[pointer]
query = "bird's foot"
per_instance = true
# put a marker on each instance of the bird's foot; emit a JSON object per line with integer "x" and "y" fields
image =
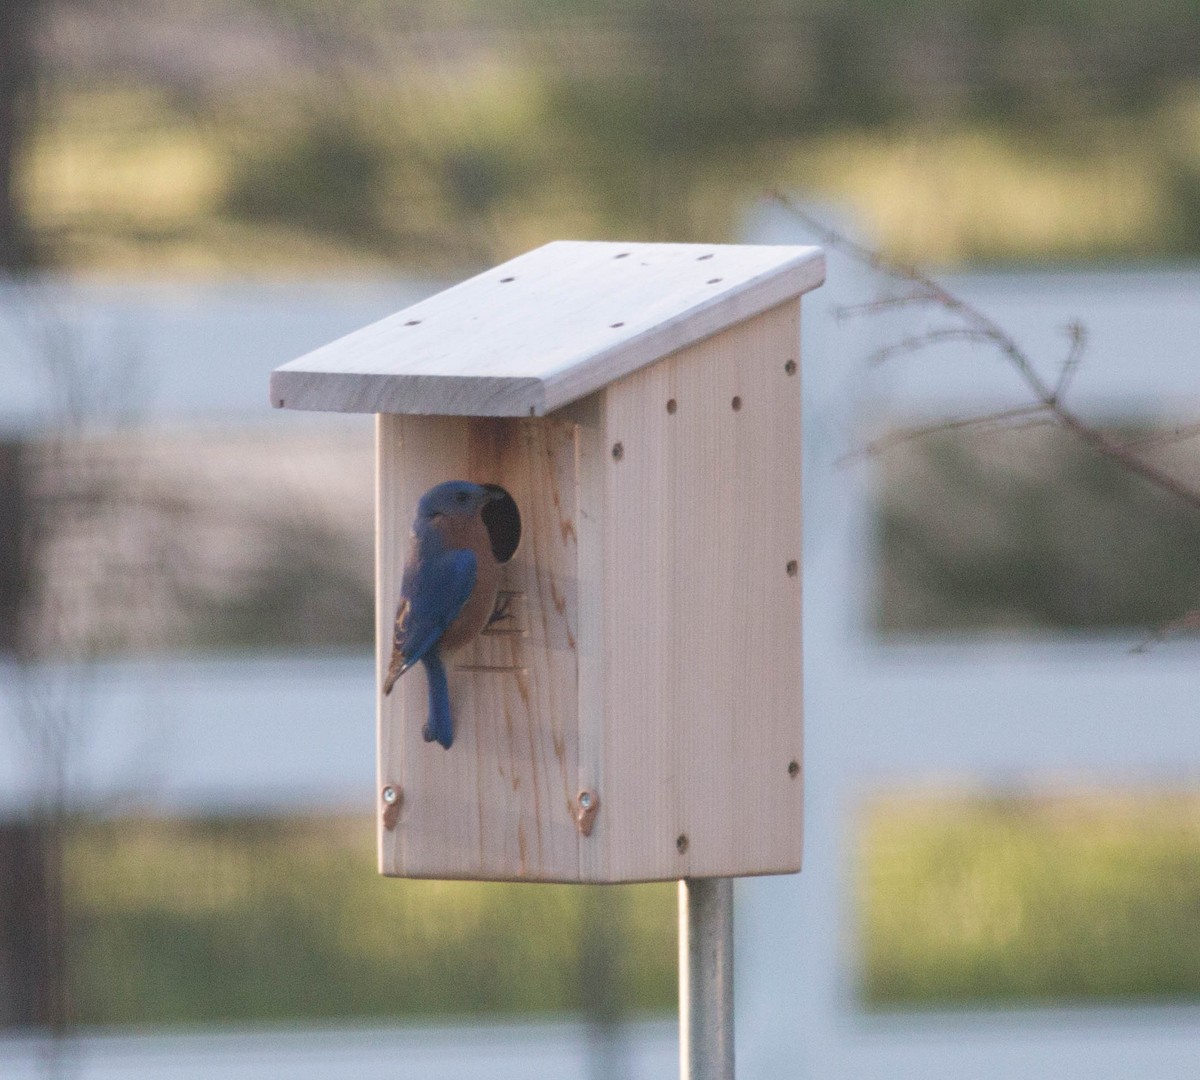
{"x": 501, "y": 610}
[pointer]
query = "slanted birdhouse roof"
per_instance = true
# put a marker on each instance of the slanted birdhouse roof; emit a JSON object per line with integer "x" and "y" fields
{"x": 546, "y": 328}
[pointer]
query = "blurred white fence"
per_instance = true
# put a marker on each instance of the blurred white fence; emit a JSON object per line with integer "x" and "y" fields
{"x": 179, "y": 736}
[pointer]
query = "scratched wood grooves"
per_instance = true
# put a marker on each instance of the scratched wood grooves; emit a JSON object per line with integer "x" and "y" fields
{"x": 498, "y": 803}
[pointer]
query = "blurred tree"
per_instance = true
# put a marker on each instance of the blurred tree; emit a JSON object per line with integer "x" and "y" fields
{"x": 27, "y": 990}
{"x": 13, "y": 576}
{"x": 18, "y": 21}
{"x": 326, "y": 177}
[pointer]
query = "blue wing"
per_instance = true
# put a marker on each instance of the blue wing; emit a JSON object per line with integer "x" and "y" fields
{"x": 433, "y": 592}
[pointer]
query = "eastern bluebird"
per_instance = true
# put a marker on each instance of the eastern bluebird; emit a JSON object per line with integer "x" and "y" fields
{"x": 448, "y": 593}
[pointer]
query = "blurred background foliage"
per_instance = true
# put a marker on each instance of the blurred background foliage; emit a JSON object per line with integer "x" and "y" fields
{"x": 269, "y": 135}
{"x": 1028, "y": 898}
{"x": 264, "y": 920}
{"x": 1026, "y": 529}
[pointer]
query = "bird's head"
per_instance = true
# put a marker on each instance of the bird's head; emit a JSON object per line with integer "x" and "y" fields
{"x": 456, "y": 497}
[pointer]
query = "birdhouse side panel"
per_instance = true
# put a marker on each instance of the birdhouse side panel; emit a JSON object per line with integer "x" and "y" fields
{"x": 702, "y": 768}
{"x": 499, "y": 803}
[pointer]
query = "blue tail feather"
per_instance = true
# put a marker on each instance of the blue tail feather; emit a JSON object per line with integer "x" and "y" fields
{"x": 440, "y": 725}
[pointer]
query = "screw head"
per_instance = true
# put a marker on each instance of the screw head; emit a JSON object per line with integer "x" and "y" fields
{"x": 793, "y": 768}
{"x": 681, "y": 843}
{"x": 585, "y": 800}
{"x": 390, "y": 795}
{"x": 790, "y": 367}
{"x": 793, "y": 568}
{"x": 618, "y": 451}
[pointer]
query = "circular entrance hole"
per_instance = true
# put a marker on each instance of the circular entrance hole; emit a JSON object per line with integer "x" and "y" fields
{"x": 502, "y": 520}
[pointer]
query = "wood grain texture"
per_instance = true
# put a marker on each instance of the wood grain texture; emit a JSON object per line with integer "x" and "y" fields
{"x": 499, "y": 803}
{"x": 703, "y": 678}
{"x": 655, "y": 652}
{"x": 545, "y": 329}
{"x": 592, "y": 458}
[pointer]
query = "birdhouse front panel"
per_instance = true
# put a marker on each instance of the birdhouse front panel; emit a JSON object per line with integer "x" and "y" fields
{"x": 499, "y": 804}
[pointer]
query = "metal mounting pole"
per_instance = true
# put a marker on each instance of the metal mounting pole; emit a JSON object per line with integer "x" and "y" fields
{"x": 706, "y": 979}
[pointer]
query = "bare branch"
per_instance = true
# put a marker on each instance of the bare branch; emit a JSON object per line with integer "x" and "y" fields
{"x": 1077, "y": 336}
{"x": 979, "y": 327}
{"x": 925, "y": 341}
{"x": 1188, "y": 621}
{"x": 872, "y": 307}
{"x": 1007, "y": 419}
{"x": 1176, "y": 434}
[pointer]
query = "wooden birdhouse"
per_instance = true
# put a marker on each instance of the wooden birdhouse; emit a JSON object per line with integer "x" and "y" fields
{"x": 638, "y": 715}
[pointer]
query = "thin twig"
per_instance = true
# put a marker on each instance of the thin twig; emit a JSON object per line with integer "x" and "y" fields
{"x": 1006, "y": 419}
{"x": 1077, "y": 335}
{"x": 873, "y": 307}
{"x": 1170, "y": 437}
{"x": 1188, "y": 621}
{"x": 923, "y": 341}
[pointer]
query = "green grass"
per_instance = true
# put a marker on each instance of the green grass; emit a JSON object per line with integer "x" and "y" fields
{"x": 265, "y": 922}
{"x": 962, "y": 901}
{"x": 966, "y": 901}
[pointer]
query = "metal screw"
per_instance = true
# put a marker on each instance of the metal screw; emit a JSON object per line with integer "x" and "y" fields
{"x": 390, "y": 794}
{"x": 681, "y": 843}
{"x": 585, "y": 800}
{"x": 618, "y": 451}
{"x": 793, "y": 768}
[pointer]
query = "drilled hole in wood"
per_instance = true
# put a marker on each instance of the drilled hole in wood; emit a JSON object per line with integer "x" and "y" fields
{"x": 793, "y": 768}
{"x": 618, "y": 451}
{"x": 681, "y": 843}
{"x": 793, "y": 568}
{"x": 790, "y": 367}
{"x": 502, "y": 520}
{"x": 671, "y": 406}
{"x": 736, "y": 403}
